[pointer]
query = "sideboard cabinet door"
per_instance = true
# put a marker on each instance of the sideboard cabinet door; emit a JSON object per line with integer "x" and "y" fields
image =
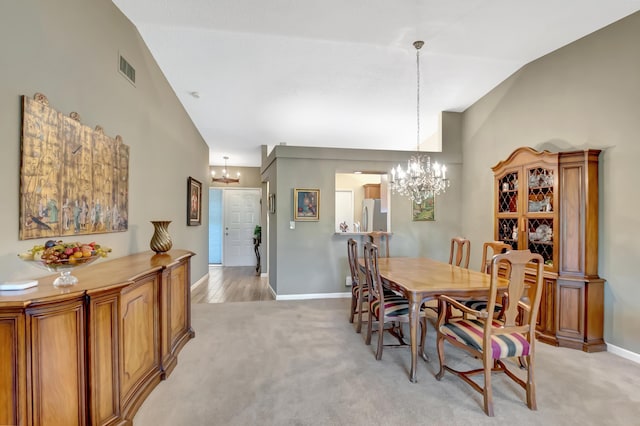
{"x": 139, "y": 342}
{"x": 56, "y": 335}
{"x": 13, "y": 374}
{"x": 176, "y": 291}
{"x": 104, "y": 361}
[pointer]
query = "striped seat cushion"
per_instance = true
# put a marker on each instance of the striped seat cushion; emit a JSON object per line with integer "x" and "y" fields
{"x": 355, "y": 290}
{"x": 480, "y": 305}
{"x": 394, "y": 306}
{"x": 365, "y": 292}
{"x": 471, "y": 333}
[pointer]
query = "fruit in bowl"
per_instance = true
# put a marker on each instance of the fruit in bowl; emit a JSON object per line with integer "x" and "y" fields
{"x": 58, "y": 255}
{"x": 53, "y": 252}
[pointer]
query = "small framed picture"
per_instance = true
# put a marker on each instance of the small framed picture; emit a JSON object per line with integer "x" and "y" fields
{"x": 306, "y": 204}
{"x": 425, "y": 210}
{"x": 272, "y": 203}
{"x": 194, "y": 202}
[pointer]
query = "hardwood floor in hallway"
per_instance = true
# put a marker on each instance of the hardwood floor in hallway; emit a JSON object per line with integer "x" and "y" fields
{"x": 232, "y": 284}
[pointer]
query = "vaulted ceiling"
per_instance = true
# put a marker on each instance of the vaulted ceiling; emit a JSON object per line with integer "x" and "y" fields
{"x": 339, "y": 73}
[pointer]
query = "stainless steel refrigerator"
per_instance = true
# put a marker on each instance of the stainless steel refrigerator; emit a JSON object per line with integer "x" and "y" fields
{"x": 373, "y": 218}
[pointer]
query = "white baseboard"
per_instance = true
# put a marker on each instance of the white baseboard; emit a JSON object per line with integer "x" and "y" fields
{"x": 624, "y": 353}
{"x": 264, "y": 275}
{"x": 273, "y": 293}
{"x": 313, "y": 296}
{"x": 204, "y": 279}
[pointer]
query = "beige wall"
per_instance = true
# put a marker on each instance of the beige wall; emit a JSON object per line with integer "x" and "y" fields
{"x": 68, "y": 50}
{"x": 585, "y": 95}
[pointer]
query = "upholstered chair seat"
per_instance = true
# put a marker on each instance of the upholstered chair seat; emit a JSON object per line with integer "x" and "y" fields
{"x": 471, "y": 332}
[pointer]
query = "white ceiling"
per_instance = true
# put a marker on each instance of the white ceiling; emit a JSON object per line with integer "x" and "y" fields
{"x": 342, "y": 73}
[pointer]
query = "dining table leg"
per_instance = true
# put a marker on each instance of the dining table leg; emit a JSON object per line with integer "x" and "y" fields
{"x": 414, "y": 315}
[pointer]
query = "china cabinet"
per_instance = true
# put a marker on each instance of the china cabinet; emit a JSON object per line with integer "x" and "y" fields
{"x": 548, "y": 203}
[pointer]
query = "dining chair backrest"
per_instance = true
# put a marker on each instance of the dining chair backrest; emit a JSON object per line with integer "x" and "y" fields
{"x": 352, "y": 255}
{"x": 359, "y": 294}
{"x": 518, "y": 291}
{"x": 490, "y": 249}
{"x": 459, "y": 252}
{"x": 372, "y": 272}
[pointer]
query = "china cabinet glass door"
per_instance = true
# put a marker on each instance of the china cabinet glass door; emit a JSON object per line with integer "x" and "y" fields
{"x": 539, "y": 218}
{"x": 526, "y": 215}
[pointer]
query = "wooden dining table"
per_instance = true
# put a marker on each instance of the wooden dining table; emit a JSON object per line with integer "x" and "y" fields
{"x": 420, "y": 279}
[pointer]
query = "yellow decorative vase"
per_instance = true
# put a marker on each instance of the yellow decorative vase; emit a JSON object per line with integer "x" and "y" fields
{"x": 161, "y": 240}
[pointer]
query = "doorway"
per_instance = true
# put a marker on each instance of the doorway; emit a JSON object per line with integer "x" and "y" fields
{"x": 234, "y": 214}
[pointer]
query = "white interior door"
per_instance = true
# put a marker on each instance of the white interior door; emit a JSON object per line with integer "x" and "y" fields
{"x": 241, "y": 215}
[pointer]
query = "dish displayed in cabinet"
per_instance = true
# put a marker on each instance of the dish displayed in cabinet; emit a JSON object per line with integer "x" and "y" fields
{"x": 544, "y": 234}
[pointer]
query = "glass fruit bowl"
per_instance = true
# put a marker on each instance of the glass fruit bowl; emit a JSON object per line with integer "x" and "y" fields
{"x": 64, "y": 266}
{"x": 58, "y": 256}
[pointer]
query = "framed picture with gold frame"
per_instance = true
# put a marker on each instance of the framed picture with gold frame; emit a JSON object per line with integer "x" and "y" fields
{"x": 424, "y": 211}
{"x": 306, "y": 204}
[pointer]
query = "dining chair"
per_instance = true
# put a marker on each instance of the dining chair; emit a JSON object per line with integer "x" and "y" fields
{"x": 460, "y": 247}
{"x": 359, "y": 289}
{"x": 490, "y": 249}
{"x": 492, "y": 340}
{"x": 459, "y": 253}
{"x": 388, "y": 311}
{"x": 359, "y": 292}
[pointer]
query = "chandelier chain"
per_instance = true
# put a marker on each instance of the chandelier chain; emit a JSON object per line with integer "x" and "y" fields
{"x": 418, "y": 97}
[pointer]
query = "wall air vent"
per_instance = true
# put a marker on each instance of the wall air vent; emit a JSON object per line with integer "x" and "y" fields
{"x": 127, "y": 70}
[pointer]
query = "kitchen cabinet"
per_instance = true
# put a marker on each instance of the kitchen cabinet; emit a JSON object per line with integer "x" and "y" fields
{"x": 371, "y": 190}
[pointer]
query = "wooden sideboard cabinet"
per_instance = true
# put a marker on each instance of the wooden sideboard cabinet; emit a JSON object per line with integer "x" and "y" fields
{"x": 548, "y": 203}
{"x": 91, "y": 354}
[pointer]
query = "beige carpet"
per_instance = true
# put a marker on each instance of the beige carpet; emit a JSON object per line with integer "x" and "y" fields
{"x": 301, "y": 363}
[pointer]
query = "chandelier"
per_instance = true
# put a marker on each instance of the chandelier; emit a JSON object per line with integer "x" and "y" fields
{"x": 421, "y": 179}
{"x": 225, "y": 175}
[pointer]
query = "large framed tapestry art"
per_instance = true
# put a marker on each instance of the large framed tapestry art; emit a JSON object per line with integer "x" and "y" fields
{"x": 73, "y": 179}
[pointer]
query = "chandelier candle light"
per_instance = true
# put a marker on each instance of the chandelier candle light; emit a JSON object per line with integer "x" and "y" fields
{"x": 421, "y": 179}
{"x": 225, "y": 175}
